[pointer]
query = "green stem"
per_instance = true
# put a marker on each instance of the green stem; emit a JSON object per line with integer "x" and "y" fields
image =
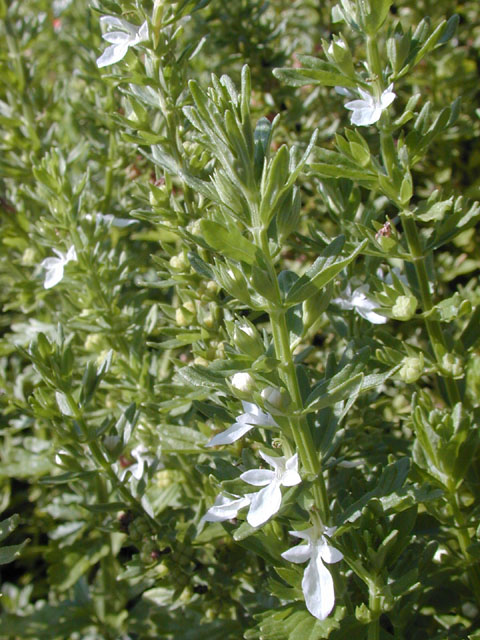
{"x": 374, "y": 63}
{"x": 434, "y": 329}
{"x": 464, "y": 541}
{"x": 374, "y": 604}
{"x": 298, "y": 423}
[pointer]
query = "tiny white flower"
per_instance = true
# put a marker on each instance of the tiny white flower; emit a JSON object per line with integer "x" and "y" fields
{"x": 142, "y": 456}
{"x": 55, "y": 266}
{"x": 317, "y": 583}
{"x": 369, "y": 108}
{"x": 252, "y": 417}
{"x": 110, "y": 220}
{"x": 225, "y": 508}
{"x": 358, "y": 300}
{"x": 266, "y": 502}
{"x": 121, "y": 41}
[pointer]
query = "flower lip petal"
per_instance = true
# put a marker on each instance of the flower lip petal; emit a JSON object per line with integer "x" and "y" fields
{"x": 318, "y": 589}
{"x": 112, "y": 55}
{"x": 53, "y": 276}
{"x": 264, "y": 504}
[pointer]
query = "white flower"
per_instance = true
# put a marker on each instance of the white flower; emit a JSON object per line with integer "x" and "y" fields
{"x": 226, "y": 508}
{"x": 266, "y": 502}
{"x": 110, "y": 220}
{"x": 55, "y": 266}
{"x": 369, "y": 109}
{"x": 129, "y": 36}
{"x": 317, "y": 583}
{"x": 142, "y": 456}
{"x": 358, "y": 300}
{"x": 252, "y": 417}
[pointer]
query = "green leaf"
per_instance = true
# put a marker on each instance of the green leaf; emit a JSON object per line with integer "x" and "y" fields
{"x": 12, "y": 552}
{"x": 323, "y": 270}
{"x": 334, "y": 390}
{"x": 318, "y": 72}
{"x": 181, "y": 439}
{"x": 228, "y": 242}
{"x": 8, "y": 525}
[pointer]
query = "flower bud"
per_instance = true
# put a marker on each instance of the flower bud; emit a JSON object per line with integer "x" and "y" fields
{"x": 412, "y": 368}
{"x": 178, "y": 262}
{"x": 276, "y": 400}
{"x": 185, "y": 314}
{"x": 452, "y": 365}
{"x": 404, "y": 307}
{"x": 339, "y": 53}
{"x": 242, "y": 382}
{"x": 247, "y": 340}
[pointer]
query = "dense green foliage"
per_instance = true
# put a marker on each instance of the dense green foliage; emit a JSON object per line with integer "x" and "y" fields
{"x": 213, "y": 211}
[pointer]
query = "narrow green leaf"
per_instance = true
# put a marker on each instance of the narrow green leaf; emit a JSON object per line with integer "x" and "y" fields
{"x": 323, "y": 270}
{"x": 12, "y": 552}
{"x": 228, "y": 242}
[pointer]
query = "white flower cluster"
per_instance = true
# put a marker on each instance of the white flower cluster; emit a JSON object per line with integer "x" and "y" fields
{"x": 317, "y": 583}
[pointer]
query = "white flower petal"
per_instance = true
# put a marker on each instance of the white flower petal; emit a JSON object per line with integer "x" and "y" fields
{"x": 117, "y": 37}
{"x": 254, "y": 415}
{"x": 264, "y": 504}
{"x": 298, "y": 554}
{"x": 230, "y": 435}
{"x": 258, "y": 477}
{"x": 318, "y": 589}
{"x": 142, "y": 34}
{"x": 71, "y": 254}
{"x": 365, "y": 116}
{"x": 343, "y": 91}
{"x": 291, "y": 478}
{"x": 112, "y": 55}
{"x": 54, "y": 275}
{"x": 113, "y": 21}
{"x": 387, "y": 98}
{"x": 329, "y": 554}
{"x": 225, "y": 508}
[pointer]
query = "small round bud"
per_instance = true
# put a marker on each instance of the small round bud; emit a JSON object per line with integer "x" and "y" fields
{"x": 185, "y": 314}
{"x": 243, "y": 382}
{"x": 247, "y": 340}
{"x": 452, "y": 365}
{"x": 178, "y": 262}
{"x": 412, "y": 368}
{"x": 404, "y": 307}
{"x": 275, "y": 400}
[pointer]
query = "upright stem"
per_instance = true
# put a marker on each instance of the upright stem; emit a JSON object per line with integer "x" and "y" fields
{"x": 298, "y": 423}
{"x": 434, "y": 329}
{"x": 464, "y": 542}
{"x": 374, "y": 604}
